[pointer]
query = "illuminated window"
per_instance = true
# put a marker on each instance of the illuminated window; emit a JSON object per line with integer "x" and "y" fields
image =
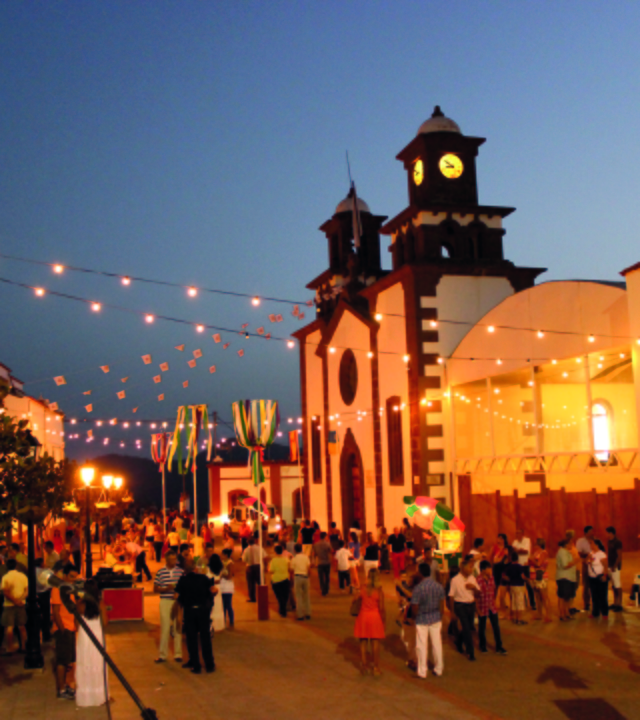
{"x": 316, "y": 445}
{"x": 601, "y": 423}
{"x": 394, "y": 440}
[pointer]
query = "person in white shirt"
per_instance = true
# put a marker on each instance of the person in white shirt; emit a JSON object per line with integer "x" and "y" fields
{"x": 478, "y": 555}
{"x": 252, "y": 557}
{"x": 300, "y": 564}
{"x": 522, "y": 545}
{"x": 463, "y": 591}
{"x": 343, "y": 557}
{"x": 598, "y": 579}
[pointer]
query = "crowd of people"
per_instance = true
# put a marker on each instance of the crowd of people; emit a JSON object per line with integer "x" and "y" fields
{"x": 497, "y": 582}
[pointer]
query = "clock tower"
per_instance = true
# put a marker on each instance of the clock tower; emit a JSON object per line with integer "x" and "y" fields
{"x": 444, "y": 225}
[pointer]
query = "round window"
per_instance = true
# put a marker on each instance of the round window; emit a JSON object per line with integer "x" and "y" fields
{"x": 348, "y": 377}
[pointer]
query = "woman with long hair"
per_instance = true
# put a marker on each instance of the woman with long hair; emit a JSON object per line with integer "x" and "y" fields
{"x": 91, "y": 670}
{"x": 227, "y": 586}
{"x": 597, "y": 567}
{"x": 369, "y": 627}
{"x": 499, "y": 557}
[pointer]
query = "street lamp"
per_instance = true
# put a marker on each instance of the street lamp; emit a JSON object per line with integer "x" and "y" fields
{"x": 107, "y": 482}
{"x": 118, "y": 483}
{"x": 87, "y": 474}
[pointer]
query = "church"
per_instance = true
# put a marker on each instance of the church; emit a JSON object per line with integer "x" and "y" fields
{"x": 456, "y": 376}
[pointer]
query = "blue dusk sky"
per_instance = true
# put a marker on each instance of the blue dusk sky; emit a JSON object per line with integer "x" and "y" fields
{"x": 204, "y": 143}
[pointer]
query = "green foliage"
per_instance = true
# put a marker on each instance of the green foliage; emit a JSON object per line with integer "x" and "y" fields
{"x": 29, "y": 488}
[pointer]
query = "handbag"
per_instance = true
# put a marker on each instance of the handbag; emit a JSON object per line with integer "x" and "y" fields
{"x": 355, "y": 606}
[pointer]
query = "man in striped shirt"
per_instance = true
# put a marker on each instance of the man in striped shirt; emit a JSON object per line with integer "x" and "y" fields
{"x": 165, "y": 583}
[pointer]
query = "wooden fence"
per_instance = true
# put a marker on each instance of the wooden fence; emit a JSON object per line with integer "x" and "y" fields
{"x": 549, "y": 514}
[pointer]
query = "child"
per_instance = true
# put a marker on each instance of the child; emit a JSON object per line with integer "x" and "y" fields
{"x": 515, "y": 574}
{"x": 344, "y": 566}
{"x": 486, "y": 607}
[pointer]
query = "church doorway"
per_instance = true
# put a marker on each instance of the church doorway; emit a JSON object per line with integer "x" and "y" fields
{"x": 351, "y": 485}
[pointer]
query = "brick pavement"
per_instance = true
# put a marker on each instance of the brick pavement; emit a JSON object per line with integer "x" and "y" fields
{"x": 286, "y": 670}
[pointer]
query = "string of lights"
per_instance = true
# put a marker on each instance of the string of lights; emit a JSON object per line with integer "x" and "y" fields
{"x": 192, "y": 291}
{"x": 126, "y": 280}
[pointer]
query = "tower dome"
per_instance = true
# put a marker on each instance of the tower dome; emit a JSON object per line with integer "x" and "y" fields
{"x": 438, "y": 122}
{"x": 347, "y": 205}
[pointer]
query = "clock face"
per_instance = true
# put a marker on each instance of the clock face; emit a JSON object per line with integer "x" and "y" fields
{"x": 418, "y": 172}
{"x": 451, "y": 166}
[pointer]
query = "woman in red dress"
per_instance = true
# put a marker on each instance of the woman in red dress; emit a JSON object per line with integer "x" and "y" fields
{"x": 370, "y": 621}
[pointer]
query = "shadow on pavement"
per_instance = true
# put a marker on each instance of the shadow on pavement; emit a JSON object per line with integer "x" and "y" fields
{"x": 563, "y": 678}
{"x": 588, "y": 709}
{"x": 350, "y": 651}
{"x": 620, "y": 647}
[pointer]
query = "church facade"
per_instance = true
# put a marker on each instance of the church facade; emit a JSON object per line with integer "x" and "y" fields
{"x": 390, "y": 354}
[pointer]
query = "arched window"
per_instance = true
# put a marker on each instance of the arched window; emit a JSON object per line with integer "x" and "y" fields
{"x": 602, "y": 430}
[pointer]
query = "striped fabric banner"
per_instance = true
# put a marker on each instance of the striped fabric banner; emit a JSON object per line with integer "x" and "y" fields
{"x": 189, "y": 421}
{"x": 256, "y": 423}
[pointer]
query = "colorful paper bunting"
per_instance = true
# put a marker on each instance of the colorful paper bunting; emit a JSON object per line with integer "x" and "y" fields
{"x": 212, "y": 369}
{"x": 296, "y": 311}
{"x": 180, "y": 347}
{"x": 260, "y": 331}
{"x": 187, "y": 433}
{"x": 245, "y": 326}
{"x": 278, "y": 318}
{"x": 301, "y": 316}
{"x": 164, "y": 367}
{"x": 90, "y": 433}
{"x": 185, "y": 384}
{"x": 104, "y": 368}
{"x": 135, "y": 409}
{"x": 268, "y": 336}
{"x": 225, "y": 346}
{"x": 197, "y": 353}
{"x": 88, "y": 408}
{"x": 256, "y": 423}
{"x": 121, "y": 394}
{"x": 124, "y": 379}
{"x": 146, "y": 359}
{"x": 241, "y": 353}
{"x": 160, "y": 397}
{"x": 191, "y": 363}
{"x": 59, "y": 380}
{"x": 272, "y": 317}
{"x": 87, "y": 392}
{"x": 216, "y": 337}
{"x": 157, "y": 378}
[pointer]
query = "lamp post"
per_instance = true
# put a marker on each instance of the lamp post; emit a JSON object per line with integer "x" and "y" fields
{"x": 107, "y": 482}
{"x": 87, "y": 474}
{"x": 33, "y": 651}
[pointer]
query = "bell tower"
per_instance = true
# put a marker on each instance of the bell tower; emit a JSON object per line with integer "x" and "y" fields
{"x": 353, "y": 240}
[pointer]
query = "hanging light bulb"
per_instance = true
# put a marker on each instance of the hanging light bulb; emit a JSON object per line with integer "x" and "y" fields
{"x": 405, "y": 358}
{"x": 125, "y": 280}
{"x": 39, "y": 291}
{"x": 369, "y": 354}
{"x": 540, "y": 334}
{"x": 58, "y": 269}
{"x": 256, "y": 301}
{"x": 246, "y": 335}
{"x": 149, "y": 318}
{"x": 378, "y": 317}
{"x": 491, "y": 329}
{"x": 192, "y": 292}
{"x": 434, "y": 323}
{"x": 290, "y": 344}
{"x": 96, "y": 307}
{"x": 592, "y": 338}
{"x": 200, "y": 328}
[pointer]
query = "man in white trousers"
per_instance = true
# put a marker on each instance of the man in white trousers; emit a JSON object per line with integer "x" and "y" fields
{"x": 165, "y": 583}
{"x": 427, "y": 606}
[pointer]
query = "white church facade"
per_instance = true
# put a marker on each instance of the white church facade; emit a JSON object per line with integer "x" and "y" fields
{"x": 453, "y": 375}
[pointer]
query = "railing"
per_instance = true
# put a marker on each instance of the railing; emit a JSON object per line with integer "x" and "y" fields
{"x": 575, "y": 462}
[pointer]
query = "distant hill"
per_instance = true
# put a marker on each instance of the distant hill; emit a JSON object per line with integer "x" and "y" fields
{"x": 144, "y": 481}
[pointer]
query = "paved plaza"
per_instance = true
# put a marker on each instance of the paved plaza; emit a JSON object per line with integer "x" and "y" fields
{"x": 288, "y": 670}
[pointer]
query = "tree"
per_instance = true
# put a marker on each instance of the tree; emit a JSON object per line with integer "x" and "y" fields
{"x": 31, "y": 488}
